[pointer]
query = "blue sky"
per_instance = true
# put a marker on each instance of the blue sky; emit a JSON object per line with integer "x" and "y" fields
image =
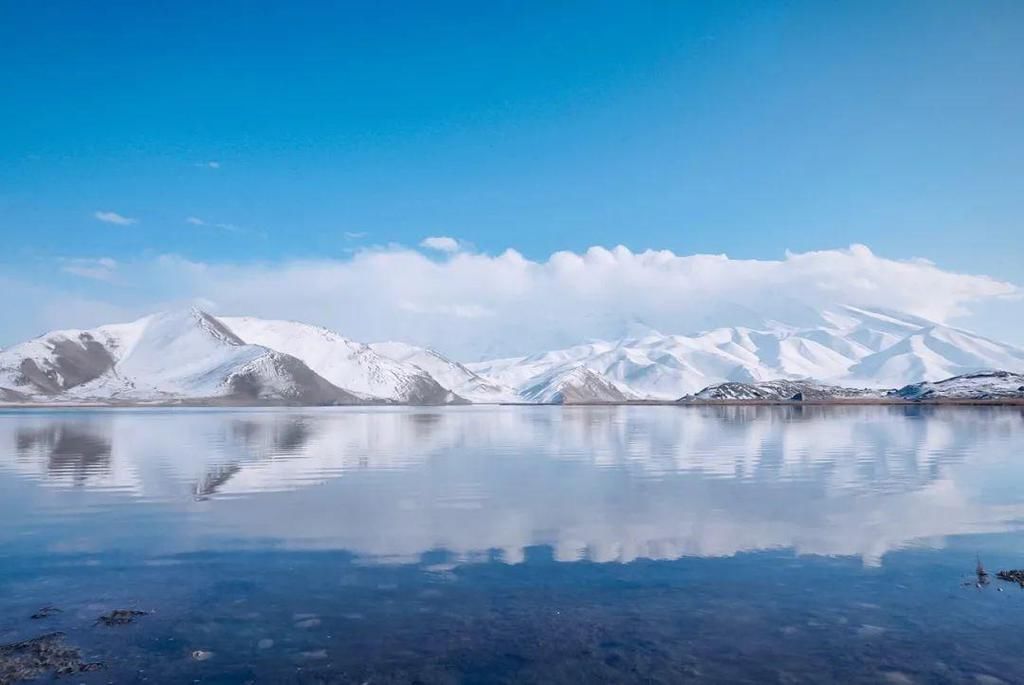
{"x": 309, "y": 131}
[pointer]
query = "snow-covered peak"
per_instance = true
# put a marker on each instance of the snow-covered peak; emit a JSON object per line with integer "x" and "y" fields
{"x": 191, "y": 354}
{"x": 849, "y": 346}
{"x": 932, "y": 353}
{"x": 176, "y": 355}
{"x": 574, "y": 386}
{"x": 348, "y": 364}
{"x": 451, "y": 374}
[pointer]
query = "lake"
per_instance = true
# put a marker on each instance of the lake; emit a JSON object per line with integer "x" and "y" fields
{"x": 518, "y": 544}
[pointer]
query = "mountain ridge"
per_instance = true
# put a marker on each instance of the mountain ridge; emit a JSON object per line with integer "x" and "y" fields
{"x": 191, "y": 355}
{"x": 853, "y": 347}
{"x": 355, "y": 366}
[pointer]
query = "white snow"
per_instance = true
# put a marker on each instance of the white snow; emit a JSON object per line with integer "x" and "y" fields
{"x": 190, "y": 354}
{"x": 575, "y": 384}
{"x": 184, "y": 354}
{"x": 978, "y": 385}
{"x": 852, "y": 347}
{"x": 172, "y": 354}
{"x": 451, "y": 374}
{"x": 345, "y": 363}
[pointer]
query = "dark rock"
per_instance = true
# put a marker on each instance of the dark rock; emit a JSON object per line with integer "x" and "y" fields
{"x": 47, "y": 612}
{"x": 779, "y": 391}
{"x": 120, "y": 617}
{"x": 1012, "y": 576}
{"x": 71, "y": 362}
{"x": 32, "y": 658}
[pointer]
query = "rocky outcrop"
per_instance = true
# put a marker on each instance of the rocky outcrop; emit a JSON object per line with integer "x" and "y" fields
{"x": 981, "y": 385}
{"x": 780, "y": 390}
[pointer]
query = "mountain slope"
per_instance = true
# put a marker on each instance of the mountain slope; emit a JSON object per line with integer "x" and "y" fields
{"x": 780, "y": 390}
{"x": 345, "y": 363}
{"x": 574, "y": 386}
{"x": 171, "y": 356}
{"x": 983, "y": 385}
{"x": 849, "y": 346}
{"x": 935, "y": 352}
{"x": 57, "y": 361}
{"x": 192, "y": 356}
{"x": 450, "y": 374}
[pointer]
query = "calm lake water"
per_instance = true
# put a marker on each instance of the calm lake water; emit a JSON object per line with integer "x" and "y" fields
{"x": 519, "y": 544}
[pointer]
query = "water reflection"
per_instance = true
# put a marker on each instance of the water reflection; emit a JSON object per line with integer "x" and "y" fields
{"x": 601, "y": 483}
{"x": 71, "y": 451}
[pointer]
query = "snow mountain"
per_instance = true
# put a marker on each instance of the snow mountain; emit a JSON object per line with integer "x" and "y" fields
{"x": 171, "y": 356}
{"x": 932, "y": 353}
{"x": 192, "y": 356}
{"x": 345, "y": 363}
{"x": 847, "y": 346}
{"x": 450, "y": 374}
{"x": 983, "y": 385}
{"x": 576, "y": 385}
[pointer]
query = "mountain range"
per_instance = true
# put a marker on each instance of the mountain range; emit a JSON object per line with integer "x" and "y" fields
{"x": 192, "y": 356}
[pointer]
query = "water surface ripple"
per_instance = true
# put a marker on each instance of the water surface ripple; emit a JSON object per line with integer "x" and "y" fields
{"x": 519, "y": 544}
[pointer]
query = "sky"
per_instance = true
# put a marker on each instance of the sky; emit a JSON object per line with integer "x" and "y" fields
{"x": 153, "y": 154}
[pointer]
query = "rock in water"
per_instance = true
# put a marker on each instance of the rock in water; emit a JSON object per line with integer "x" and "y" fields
{"x": 30, "y": 659}
{"x": 120, "y": 617}
{"x": 1012, "y": 576}
{"x": 46, "y": 612}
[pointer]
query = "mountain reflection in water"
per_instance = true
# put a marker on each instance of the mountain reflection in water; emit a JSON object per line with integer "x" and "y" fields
{"x": 598, "y": 483}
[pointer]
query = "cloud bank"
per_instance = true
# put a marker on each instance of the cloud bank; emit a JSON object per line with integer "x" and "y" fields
{"x": 474, "y": 306}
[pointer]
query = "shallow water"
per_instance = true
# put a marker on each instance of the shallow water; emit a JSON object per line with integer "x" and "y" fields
{"x": 519, "y": 544}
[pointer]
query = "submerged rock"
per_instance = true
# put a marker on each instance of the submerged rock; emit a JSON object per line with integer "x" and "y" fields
{"x": 120, "y": 617}
{"x": 1012, "y": 576}
{"x": 47, "y": 612}
{"x": 32, "y": 658}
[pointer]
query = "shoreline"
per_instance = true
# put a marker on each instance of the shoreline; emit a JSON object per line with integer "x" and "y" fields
{"x": 850, "y": 402}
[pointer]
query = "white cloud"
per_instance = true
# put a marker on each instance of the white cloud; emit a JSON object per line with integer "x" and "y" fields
{"x": 114, "y": 218}
{"x": 212, "y": 164}
{"x": 196, "y": 221}
{"x": 102, "y": 269}
{"x": 474, "y": 305}
{"x": 355, "y": 235}
{"x": 463, "y": 311}
{"x": 441, "y": 243}
{"x": 477, "y": 305}
{"x": 33, "y": 307}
